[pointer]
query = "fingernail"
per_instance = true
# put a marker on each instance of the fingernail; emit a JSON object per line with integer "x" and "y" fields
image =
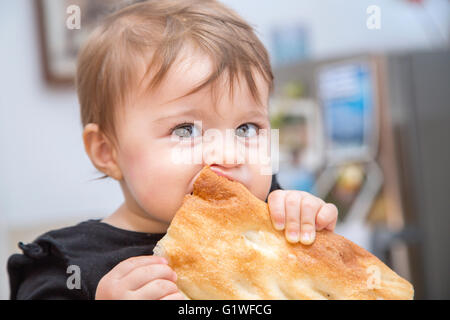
{"x": 279, "y": 226}
{"x": 293, "y": 236}
{"x": 165, "y": 261}
{"x": 307, "y": 237}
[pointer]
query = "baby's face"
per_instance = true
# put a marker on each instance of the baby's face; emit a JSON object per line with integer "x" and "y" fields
{"x": 151, "y": 130}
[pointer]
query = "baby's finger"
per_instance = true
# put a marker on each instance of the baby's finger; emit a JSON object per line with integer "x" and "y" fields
{"x": 145, "y": 274}
{"x": 327, "y": 217}
{"x": 174, "y": 296}
{"x": 309, "y": 208}
{"x": 292, "y": 203}
{"x": 155, "y": 289}
{"x": 332, "y": 224}
{"x": 126, "y": 266}
{"x": 277, "y": 208}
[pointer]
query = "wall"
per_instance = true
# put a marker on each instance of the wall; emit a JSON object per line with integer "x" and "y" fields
{"x": 338, "y": 27}
{"x": 44, "y": 172}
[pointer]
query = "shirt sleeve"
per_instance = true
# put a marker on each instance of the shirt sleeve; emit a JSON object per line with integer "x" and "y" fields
{"x": 275, "y": 185}
{"x": 40, "y": 274}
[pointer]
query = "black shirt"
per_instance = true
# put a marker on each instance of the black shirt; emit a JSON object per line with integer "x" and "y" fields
{"x": 45, "y": 268}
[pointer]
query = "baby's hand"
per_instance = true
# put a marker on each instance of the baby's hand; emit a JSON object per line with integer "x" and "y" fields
{"x": 300, "y": 214}
{"x": 139, "y": 278}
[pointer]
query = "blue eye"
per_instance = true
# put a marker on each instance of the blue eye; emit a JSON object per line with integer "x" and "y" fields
{"x": 247, "y": 130}
{"x": 186, "y": 130}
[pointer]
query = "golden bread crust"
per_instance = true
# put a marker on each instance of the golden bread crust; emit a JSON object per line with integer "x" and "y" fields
{"x": 222, "y": 245}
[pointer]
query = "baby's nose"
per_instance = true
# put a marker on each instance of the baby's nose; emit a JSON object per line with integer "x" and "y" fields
{"x": 224, "y": 151}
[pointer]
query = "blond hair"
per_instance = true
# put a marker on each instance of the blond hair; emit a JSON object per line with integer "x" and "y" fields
{"x": 107, "y": 69}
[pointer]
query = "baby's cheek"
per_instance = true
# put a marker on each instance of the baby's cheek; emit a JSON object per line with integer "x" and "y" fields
{"x": 261, "y": 186}
{"x": 161, "y": 204}
{"x": 147, "y": 188}
{"x": 157, "y": 189}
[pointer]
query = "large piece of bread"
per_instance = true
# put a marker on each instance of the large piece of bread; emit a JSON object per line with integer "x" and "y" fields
{"x": 222, "y": 245}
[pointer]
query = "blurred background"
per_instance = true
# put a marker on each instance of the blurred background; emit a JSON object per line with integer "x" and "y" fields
{"x": 362, "y": 102}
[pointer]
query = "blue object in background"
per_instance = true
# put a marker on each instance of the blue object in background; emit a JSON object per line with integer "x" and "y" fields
{"x": 296, "y": 178}
{"x": 346, "y": 94}
{"x": 290, "y": 44}
{"x": 347, "y": 113}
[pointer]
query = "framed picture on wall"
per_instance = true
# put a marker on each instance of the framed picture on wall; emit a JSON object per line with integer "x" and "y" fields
{"x": 59, "y": 43}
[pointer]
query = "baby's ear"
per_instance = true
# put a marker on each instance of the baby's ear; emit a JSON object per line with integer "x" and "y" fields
{"x": 101, "y": 151}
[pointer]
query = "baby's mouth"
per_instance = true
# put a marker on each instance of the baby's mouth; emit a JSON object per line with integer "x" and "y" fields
{"x": 216, "y": 170}
{"x": 222, "y": 173}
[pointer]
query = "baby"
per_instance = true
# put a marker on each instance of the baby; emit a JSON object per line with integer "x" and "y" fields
{"x": 154, "y": 77}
